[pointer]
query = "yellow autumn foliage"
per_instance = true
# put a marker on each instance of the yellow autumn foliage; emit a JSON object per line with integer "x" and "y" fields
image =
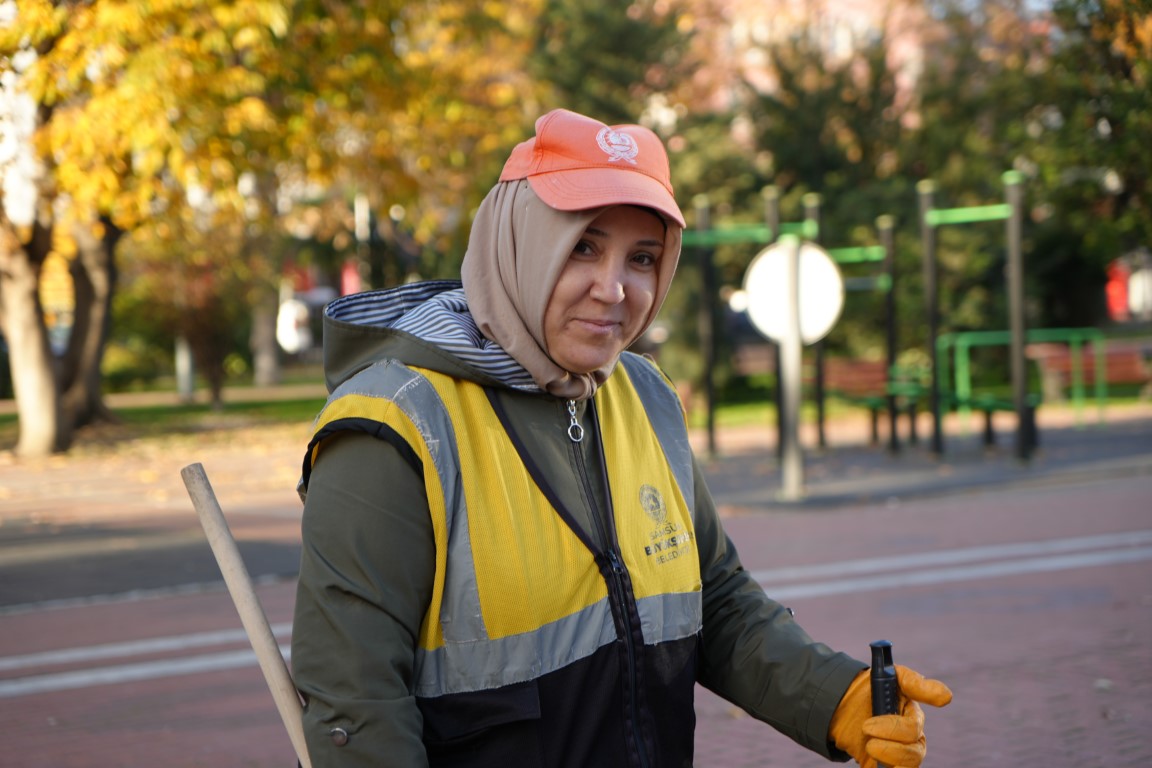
{"x": 148, "y": 97}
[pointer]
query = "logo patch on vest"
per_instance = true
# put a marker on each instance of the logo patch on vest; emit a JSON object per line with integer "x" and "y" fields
{"x": 653, "y": 503}
{"x": 667, "y": 541}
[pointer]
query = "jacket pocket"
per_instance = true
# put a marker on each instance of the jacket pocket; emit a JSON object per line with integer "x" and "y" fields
{"x": 498, "y": 727}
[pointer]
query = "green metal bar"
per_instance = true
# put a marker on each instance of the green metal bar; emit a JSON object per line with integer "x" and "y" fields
{"x": 992, "y": 338}
{"x": 964, "y": 382}
{"x": 1075, "y": 337}
{"x": 1101, "y": 378}
{"x": 1077, "y": 378}
{"x": 968, "y": 215}
{"x": 742, "y": 233}
{"x": 869, "y": 283}
{"x": 809, "y": 229}
{"x": 943, "y": 342}
{"x": 857, "y": 255}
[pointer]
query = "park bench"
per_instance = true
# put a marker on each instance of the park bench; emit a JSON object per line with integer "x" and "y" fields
{"x": 869, "y": 383}
{"x": 754, "y": 359}
{"x": 866, "y": 383}
{"x": 989, "y": 405}
{"x": 1124, "y": 363}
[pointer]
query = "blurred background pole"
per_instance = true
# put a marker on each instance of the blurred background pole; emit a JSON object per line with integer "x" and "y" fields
{"x": 813, "y": 233}
{"x": 792, "y": 360}
{"x": 706, "y": 320}
{"x": 362, "y": 218}
{"x": 185, "y": 370}
{"x": 926, "y": 189}
{"x": 771, "y": 197}
{"x": 884, "y": 227}
{"x": 1025, "y": 424}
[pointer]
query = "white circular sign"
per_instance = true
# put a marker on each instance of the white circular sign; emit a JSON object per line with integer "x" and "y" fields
{"x": 821, "y": 290}
{"x": 1140, "y": 293}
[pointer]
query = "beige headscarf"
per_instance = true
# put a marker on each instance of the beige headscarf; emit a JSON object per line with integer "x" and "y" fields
{"x": 516, "y": 251}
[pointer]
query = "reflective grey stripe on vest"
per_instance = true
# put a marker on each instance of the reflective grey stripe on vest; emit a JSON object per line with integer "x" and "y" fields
{"x": 415, "y": 396}
{"x": 461, "y": 667}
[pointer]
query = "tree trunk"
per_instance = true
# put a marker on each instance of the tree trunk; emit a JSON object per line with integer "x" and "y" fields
{"x": 265, "y": 354}
{"x": 94, "y": 279}
{"x": 209, "y": 350}
{"x": 43, "y": 428}
{"x": 260, "y": 247}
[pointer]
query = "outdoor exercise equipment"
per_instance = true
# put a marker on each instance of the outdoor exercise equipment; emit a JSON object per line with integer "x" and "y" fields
{"x": 885, "y": 281}
{"x": 1011, "y": 211}
{"x": 884, "y": 253}
{"x": 705, "y": 239}
{"x": 959, "y": 369}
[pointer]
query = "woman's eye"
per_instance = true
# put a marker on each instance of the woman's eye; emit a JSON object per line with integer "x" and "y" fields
{"x": 644, "y": 259}
{"x": 582, "y": 248}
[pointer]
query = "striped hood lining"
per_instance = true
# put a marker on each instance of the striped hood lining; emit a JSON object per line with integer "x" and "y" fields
{"x": 435, "y": 312}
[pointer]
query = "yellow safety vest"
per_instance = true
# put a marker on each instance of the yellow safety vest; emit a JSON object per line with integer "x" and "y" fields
{"x": 517, "y": 593}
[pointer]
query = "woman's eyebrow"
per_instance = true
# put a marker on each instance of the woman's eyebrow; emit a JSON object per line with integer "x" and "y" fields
{"x": 601, "y": 233}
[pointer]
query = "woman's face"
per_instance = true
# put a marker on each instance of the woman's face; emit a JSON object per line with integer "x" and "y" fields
{"x": 606, "y": 289}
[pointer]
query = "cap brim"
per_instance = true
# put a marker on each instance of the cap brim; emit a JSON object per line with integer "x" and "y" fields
{"x": 584, "y": 188}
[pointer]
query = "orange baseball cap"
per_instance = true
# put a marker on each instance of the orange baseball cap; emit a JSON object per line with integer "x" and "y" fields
{"x": 574, "y": 163}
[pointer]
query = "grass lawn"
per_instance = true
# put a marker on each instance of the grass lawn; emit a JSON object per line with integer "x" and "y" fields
{"x": 160, "y": 421}
{"x": 236, "y": 418}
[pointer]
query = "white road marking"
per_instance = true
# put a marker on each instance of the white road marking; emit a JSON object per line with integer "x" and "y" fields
{"x": 133, "y": 648}
{"x": 962, "y": 573}
{"x": 953, "y": 556}
{"x": 820, "y": 580}
{"x": 126, "y": 673}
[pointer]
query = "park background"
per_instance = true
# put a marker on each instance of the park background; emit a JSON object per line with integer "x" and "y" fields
{"x": 186, "y": 183}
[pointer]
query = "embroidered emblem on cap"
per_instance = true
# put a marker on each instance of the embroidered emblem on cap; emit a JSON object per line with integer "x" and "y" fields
{"x": 618, "y": 145}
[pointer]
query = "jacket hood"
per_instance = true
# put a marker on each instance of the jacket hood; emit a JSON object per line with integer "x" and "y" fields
{"x": 425, "y": 324}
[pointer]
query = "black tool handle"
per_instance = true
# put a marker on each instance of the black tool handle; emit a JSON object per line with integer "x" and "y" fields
{"x": 885, "y": 691}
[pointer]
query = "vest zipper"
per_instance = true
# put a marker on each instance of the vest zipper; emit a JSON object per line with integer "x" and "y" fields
{"x": 602, "y": 545}
{"x": 620, "y": 574}
{"x": 619, "y": 584}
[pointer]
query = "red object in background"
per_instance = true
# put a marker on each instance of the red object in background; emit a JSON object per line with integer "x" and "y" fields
{"x": 301, "y": 278}
{"x": 349, "y": 278}
{"x": 1116, "y": 292}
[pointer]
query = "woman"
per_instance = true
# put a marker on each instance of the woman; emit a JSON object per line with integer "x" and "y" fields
{"x": 510, "y": 554}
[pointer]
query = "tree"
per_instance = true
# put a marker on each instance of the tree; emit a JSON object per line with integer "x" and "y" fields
{"x": 1088, "y": 140}
{"x": 107, "y": 81}
{"x": 222, "y": 114}
{"x": 607, "y": 59}
{"x": 821, "y": 122}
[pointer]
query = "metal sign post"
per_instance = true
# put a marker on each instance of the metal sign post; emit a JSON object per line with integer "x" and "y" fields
{"x": 795, "y": 294}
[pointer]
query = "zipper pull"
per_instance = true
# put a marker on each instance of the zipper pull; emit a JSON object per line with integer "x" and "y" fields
{"x": 614, "y": 561}
{"x": 575, "y": 431}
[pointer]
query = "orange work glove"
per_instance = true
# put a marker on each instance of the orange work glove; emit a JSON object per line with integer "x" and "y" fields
{"x": 893, "y": 740}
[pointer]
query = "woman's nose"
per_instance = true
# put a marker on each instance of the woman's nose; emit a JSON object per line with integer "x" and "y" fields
{"x": 608, "y": 286}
